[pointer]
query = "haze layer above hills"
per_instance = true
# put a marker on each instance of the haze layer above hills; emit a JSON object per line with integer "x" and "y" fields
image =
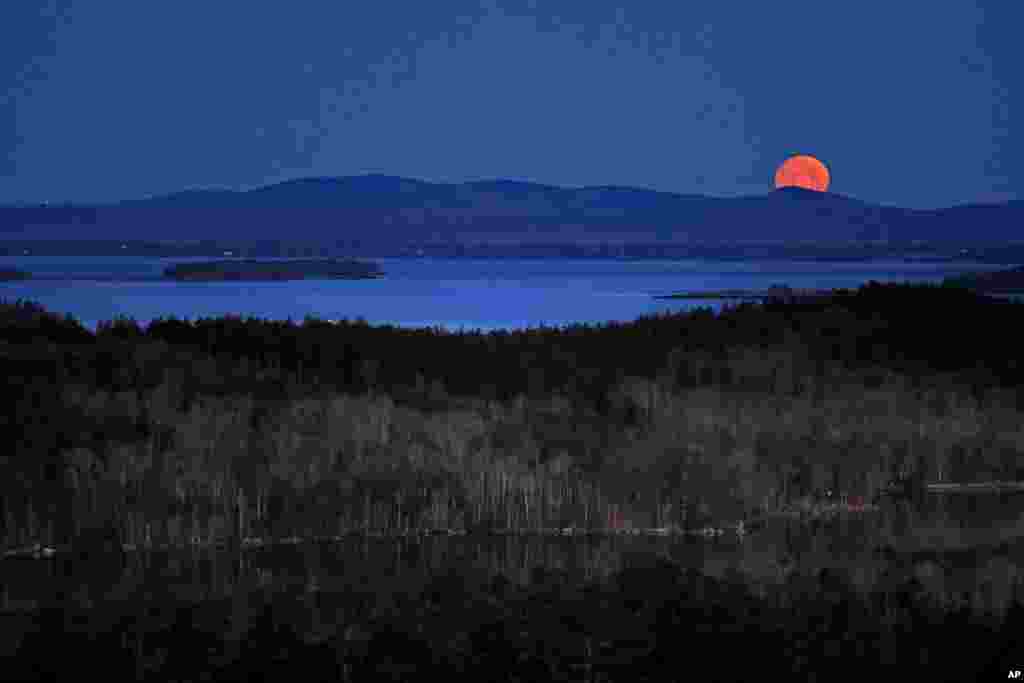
{"x": 379, "y": 208}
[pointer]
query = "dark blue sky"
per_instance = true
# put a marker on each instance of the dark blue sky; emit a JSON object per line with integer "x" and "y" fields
{"x": 909, "y": 102}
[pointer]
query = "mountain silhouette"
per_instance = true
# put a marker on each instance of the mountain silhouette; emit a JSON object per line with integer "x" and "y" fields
{"x": 392, "y": 209}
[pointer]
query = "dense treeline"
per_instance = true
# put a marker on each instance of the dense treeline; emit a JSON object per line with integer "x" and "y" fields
{"x": 182, "y": 430}
{"x": 1011, "y": 280}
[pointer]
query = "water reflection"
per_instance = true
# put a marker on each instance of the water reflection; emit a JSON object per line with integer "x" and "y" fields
{"x": 945, "y": 546}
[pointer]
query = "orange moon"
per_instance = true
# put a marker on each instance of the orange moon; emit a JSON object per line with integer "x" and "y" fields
{"x": 802, "y": 170}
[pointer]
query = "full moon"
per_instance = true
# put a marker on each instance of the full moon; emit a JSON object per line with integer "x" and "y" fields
{"x": 803, "y": 171}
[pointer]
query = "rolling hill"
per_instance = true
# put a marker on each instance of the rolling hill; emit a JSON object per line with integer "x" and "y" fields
{"x": 380, "y": 208}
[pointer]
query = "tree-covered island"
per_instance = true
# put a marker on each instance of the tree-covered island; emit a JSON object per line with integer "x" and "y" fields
{"x": 275, "y": 270}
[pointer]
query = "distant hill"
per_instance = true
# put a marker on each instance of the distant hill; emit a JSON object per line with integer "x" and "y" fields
{"x": 380, "y": 208}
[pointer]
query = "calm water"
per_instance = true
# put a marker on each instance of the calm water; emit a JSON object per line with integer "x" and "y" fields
{"x": 450, "y": 293}
{"x": 962, "y": 550}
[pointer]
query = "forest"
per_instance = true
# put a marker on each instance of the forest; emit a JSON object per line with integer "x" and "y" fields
{"x": 998, "y": 281}
{"x": 222, "y": 430}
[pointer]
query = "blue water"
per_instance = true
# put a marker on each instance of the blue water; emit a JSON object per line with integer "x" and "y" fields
{"x": 452, "y": 294}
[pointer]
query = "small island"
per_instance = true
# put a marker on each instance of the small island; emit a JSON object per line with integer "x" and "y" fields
{"x": 274, "y": 270}
{"x": 13, "y": 275}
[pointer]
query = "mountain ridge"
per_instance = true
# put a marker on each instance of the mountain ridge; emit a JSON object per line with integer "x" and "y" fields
{"x": 399, "y": 209}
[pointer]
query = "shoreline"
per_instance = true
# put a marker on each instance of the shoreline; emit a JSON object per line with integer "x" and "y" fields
{"x": 258, "y": 270}
{"x": 783, "y": 293}
{"x": 978, "y": 487}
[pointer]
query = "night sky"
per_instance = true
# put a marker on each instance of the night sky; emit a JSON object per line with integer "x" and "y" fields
{"x": 908, "y": 102}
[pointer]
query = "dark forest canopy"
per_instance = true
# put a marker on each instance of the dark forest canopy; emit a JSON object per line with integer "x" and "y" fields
{"x": 894, "y": 326}
{"x": 274, "y": 270}
{"x": 995, "y": 282}
{"x": 682, "y": 409}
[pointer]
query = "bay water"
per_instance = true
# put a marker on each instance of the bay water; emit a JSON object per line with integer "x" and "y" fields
{"x": 452, "y": 294}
